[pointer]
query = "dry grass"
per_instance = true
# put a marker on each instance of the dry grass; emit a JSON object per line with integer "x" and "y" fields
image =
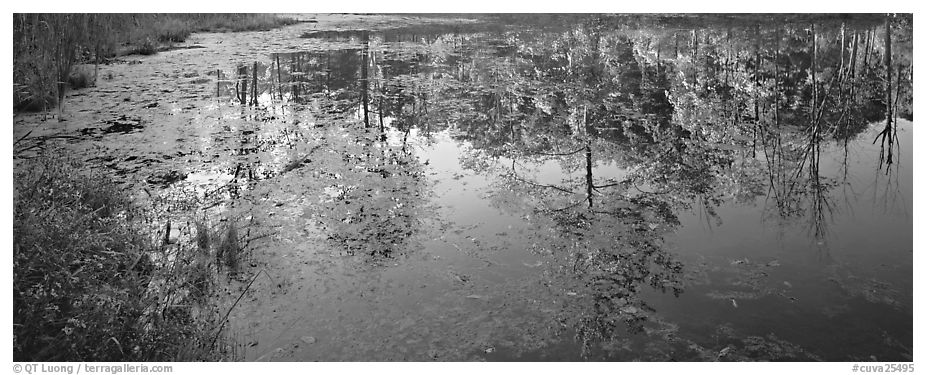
{"x": 229, "y": 250}
{"x": 46, "y": 46}
{"x": 82, "y": 77}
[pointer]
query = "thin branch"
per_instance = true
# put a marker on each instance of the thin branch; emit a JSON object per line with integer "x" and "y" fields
{"x": 567, "y": 207}
{"x": 227, "y": 313}
{"x": 21, "y": 138}
{"x": 560, "y": 154}
{"x": 514, "y": 174}
{"x": 606, "y": 185}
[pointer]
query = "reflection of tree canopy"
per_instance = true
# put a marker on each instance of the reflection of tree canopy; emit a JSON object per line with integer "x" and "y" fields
{"x": 724, "y": 80}
{"x": 605, "y": 242}
{"x": 692, "y": 114}
{"x": 674, "y": 100}
{"x": 374, "y": 193}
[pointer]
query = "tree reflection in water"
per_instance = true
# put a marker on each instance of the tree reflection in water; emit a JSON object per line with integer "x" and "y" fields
{"x": 642, "y": 118}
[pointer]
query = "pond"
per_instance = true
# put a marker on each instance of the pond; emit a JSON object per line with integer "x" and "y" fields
{"x": 604, "y": 188}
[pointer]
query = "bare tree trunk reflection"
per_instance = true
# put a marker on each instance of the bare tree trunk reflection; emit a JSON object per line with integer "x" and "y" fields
{"x": 588, "y": 174}
{"x": 364, "y": 78}
{"x": 755, "y": 96}
{"x": 854, "y": 53}
{"x": 243, "y": 83}
{"x": 254, "y": 85}
{"x": 889, "y": 134}
{"x": 279, "y": 78}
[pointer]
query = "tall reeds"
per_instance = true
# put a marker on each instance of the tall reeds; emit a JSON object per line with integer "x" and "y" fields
{"x": 47, "y": 46}
{"x": 228, "y": 251}
{"x": 89, "y": 285}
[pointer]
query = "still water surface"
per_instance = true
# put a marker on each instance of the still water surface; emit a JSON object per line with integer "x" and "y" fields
{"x": 582, "y": 188}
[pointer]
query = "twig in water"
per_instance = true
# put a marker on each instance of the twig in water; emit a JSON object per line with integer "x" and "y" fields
{"x": 23, "y": 137}
{"x": 227, "y": 313}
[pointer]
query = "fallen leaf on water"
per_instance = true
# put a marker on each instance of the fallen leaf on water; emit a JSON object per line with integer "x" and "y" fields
{"x": 534, "y": 265}
{"x": 629, "y": 310}
{"x": 308, "y": 339}
{"x": 724, "y": 352}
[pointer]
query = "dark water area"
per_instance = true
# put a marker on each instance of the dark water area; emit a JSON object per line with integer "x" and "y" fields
{"x": 582, "y": 188}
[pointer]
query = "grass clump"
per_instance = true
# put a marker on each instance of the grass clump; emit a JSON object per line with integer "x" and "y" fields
{"x": 82, "y": 77}
{"x": 228, "y": 252}
{"x": 173, "y": 30}
{"x": 88, "y": 285}
{"x": 201, "y": 274}
{"x": 33, "y": 97}
{"x": 145, "y": 47}
{"x": 238, "y": 22}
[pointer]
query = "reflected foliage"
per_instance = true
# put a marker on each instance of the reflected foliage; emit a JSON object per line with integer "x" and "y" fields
{"x": 641, "y": 118}
{"x": 374, "y": 195}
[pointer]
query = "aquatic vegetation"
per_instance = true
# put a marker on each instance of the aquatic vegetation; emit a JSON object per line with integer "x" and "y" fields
{"x": 870, "y": 289}
{"x": 47, "y": 46}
